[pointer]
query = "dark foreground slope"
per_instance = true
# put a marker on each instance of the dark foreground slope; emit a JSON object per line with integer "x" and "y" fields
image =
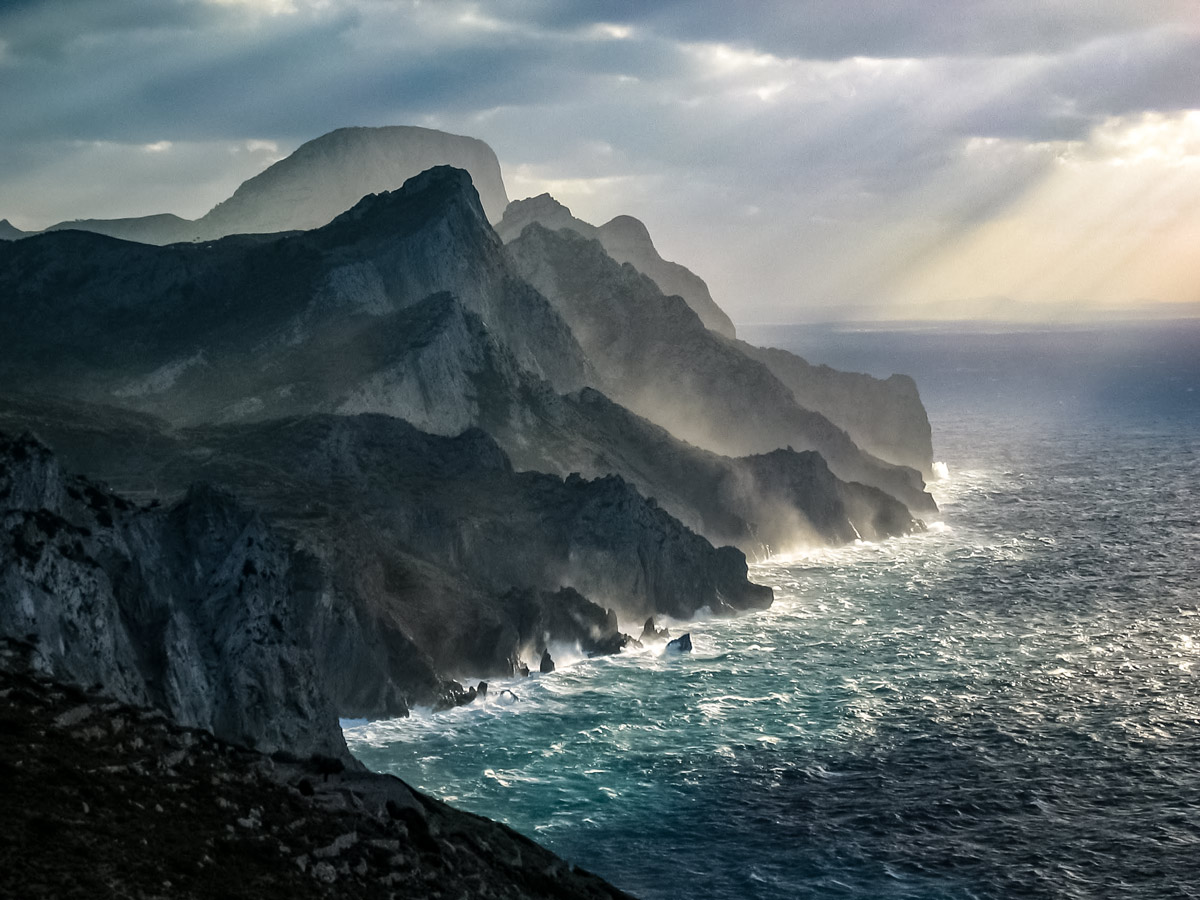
{"x": 103, "y": 799}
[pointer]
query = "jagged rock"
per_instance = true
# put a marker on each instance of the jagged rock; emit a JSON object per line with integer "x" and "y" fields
{"x": 547, "y": 664}
{"x": 651, "y": 633}
{"x": 320, "y": 180}
{"x": 681, "y": 644}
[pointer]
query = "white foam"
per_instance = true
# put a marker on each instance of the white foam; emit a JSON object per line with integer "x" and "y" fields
{"x": 941, "y": 471}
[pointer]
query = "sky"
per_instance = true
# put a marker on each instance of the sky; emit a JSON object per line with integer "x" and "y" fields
{"x": 813, "y": 161}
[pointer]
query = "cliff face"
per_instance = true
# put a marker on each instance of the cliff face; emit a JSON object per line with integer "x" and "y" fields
{"x": 655, "y": 356}
{"x": 626, "y": 240}
{"x": 318, "y": 182}
{"x": 884, "y": 416}
{"x": 190, "y": 609}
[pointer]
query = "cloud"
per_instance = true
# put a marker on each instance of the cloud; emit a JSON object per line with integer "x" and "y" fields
{"x": 865, "y": 135}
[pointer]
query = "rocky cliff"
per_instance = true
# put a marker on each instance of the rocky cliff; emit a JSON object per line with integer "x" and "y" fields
{"x": 654, "y": 355}
{"x": 402, "y": 562}
{"x": 883, "y": 416}
{"x": 190, "y": 608}
{"x": 318, "y": 182}
{"x": 626, "y": 240}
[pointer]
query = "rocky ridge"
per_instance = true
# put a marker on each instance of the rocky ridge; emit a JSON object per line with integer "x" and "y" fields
{"x": 655, "y": 356}
{"x": 627, "y": 240}
{"x": 407, "y": 305}
{"x": 885, "y": 417}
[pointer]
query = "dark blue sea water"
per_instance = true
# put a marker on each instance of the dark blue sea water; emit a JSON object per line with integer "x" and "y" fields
{"x": 1007, "y": 706}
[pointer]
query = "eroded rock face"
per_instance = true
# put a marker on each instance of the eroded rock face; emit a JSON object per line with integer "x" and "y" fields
{"x": 626, "y": 240}
{"x": 190, "y": 608}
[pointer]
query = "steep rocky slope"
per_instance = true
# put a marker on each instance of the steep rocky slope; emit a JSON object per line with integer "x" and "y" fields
{"x": 885, "y": 416}
{"x": 626, "y": 240}
{"x": 402, "y": 556}
{"x": 320, "y": 180}
{"x": 655, "y": 356}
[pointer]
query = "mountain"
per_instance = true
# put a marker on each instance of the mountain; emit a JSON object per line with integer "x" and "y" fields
{"x": 626, "y": 240}
{"x": 9, "y": 232}
{"x": 406, "y": 305}
{"x": 655, "y": 357}
{"x": 320, "y": 180}
{"x": 400, "y": 567}
{"x": 884, "y": 417}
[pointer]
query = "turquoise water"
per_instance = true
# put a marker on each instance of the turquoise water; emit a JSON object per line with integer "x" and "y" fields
{"x": 1005, "y": 706}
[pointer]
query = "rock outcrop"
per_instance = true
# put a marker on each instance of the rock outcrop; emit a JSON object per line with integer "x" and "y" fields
{"x": 190, "y": 608}
{"x": 318, "y": 182}
{"x": 626, "y": 240}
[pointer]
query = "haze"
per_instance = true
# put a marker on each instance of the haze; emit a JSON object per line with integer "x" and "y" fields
{"x": 813, "y": 161}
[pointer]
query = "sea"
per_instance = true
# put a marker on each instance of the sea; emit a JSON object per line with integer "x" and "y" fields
{"x": 1005, "y": 706}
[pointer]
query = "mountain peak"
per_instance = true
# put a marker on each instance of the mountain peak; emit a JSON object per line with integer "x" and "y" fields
{"x": 329, "y": 174}
{"x": 442, "y": 192}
